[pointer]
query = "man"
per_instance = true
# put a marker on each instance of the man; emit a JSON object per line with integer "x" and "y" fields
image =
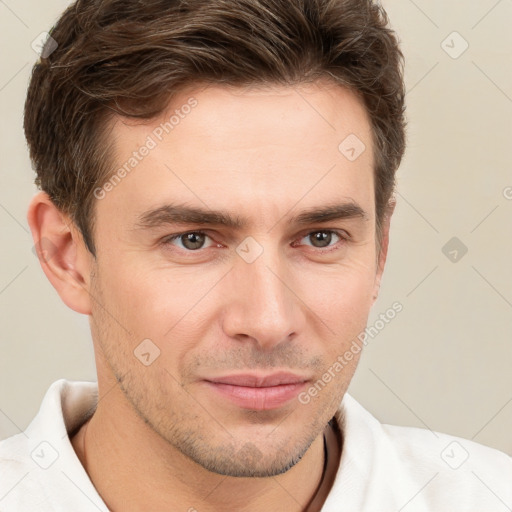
{"x": 217, "y": 187}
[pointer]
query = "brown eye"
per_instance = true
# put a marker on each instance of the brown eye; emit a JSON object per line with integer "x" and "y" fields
{"x": 324, "y": 238}
{"x": 192, "y": 241}
{"x": 321, "y": 238}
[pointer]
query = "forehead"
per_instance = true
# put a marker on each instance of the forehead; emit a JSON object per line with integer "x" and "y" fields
{"x": 265, "y": 147}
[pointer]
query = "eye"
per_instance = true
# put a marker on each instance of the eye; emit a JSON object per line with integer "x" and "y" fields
{"x": 190, "y": 241}
{"x": 195, "y": 240}
{"x": 323, "y": 238}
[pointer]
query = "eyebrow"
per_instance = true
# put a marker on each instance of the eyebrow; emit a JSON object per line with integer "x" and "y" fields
{"x": 182, "y": 214}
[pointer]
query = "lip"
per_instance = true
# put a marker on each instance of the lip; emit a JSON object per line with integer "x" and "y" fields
{"x": 253, "y": 380}
{"x": 258, "y": 392}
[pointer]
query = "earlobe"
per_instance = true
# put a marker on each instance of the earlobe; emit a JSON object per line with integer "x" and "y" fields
{"x": 61, "y": 252}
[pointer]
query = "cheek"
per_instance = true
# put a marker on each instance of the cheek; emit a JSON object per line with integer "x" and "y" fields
{"x": 342, "y": 299}
{"x": 164, "y": 305}
{"x": 345, "y": 288}
{"x": 136, "y": 298}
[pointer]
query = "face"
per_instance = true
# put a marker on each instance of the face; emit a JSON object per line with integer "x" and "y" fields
{"x": 246, "y": 305}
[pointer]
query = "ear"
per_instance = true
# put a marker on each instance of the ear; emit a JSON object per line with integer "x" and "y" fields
{"x": 382, "y": 250}
{"x": 62, "y": 253}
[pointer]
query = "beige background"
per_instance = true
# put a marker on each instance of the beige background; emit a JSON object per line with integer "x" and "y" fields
{"x": 444, "y": 362}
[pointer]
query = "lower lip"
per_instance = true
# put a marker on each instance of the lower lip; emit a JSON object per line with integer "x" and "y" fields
{"x": 258, "y": 399}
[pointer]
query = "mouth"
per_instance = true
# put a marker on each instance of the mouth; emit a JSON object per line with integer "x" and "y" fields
{"x": 258, "y": 392}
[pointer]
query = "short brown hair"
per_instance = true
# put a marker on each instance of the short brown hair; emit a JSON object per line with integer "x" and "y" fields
{"x": 129, "y": 58}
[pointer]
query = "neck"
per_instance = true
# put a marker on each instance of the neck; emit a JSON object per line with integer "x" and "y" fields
{"x": 130, "y": 463}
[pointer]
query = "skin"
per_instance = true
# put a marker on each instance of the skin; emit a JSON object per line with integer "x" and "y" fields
{"x": 160, "y": 437}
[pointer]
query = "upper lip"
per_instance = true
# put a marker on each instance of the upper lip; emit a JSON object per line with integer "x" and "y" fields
{"x": 259, "y": 381}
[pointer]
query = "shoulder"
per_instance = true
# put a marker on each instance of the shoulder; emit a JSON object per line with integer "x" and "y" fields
{"x": 435, "y": 471}
{"x": 468, "y": 475}
{"x": 458, "y": 460}
{"x": 39, "y": 468}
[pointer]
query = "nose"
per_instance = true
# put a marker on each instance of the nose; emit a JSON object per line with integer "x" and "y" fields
{"x": 261, "y": 305}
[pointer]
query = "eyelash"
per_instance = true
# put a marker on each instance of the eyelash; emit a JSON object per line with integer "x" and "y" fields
{"x": 344, "y": 237}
